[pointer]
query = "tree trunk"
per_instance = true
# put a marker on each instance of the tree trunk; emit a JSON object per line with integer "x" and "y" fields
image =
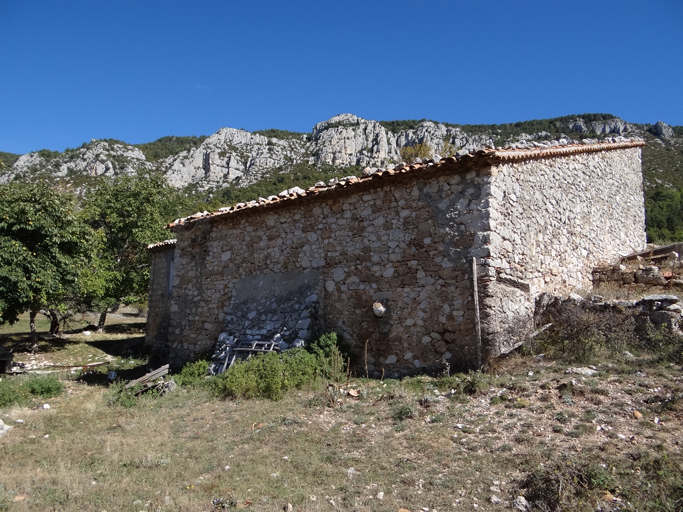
{"x": 32, "y": 324}
{"x": 54, "y": 322}
{"x": 103, "y": 319}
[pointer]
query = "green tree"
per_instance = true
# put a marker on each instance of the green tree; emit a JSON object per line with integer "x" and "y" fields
{"x": 43, "y": 248}
{"x": 418, "y": 150}
{"x": 128, "y": 213}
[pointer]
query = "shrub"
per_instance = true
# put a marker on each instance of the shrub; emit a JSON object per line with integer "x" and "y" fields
{"x": 45, "y": 387}
{"x": 19, "y": 391}
{"x": 193, "y": 374}
{"x": 12, "y": 394}
{"x": 119, "y": 395}
{"x": 402, "y": 412}
{"x": 419, "y": 150}
{"x": 271, "y": 375}
{"x": 268, "y": 375}
{"x": 557, "y": 484}
{"x": 579, "y": 335}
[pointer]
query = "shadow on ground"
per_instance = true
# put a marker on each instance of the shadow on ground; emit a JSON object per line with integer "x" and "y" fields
{"x": 21, "y": 342}
{"x": 97, "y": 377}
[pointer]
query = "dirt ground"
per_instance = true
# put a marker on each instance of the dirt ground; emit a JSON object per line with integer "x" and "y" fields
{"x": 565, "y": 441}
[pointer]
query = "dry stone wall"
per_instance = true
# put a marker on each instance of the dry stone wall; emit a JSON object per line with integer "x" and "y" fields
{"x": 552, "y": 221}
{"x": 406, "y": 244}
{"x": 535, "y": 221}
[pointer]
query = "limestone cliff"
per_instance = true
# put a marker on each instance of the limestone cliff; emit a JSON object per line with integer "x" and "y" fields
{"x": 237, "y": 156}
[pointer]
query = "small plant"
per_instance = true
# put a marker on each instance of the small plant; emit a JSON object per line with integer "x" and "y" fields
{"x": 193, "y": 374}
{"x": 120, "y": 396}
{"x": 45, "y": 387}
{"x": 402, "y": 412}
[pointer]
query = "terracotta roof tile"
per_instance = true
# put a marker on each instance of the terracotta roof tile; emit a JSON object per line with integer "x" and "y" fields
{"x": 161, "y": 245}
{"x": 481, "y": 158}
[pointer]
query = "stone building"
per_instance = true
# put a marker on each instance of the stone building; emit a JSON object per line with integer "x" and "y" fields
{"x": 307, "y": 262}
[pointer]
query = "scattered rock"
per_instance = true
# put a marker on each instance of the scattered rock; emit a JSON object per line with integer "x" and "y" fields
{"x": 672, "y": 299}
{"x": 4, "y": 428}
{"x": 587, "y": 372}
{"x": 520, "y": 503}
{"x": 608, "y": 496}
{"x": 380, "y": 495}
{"x": 495, "y": 500}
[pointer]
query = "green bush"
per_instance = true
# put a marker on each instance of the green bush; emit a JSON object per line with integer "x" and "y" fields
{"x": 12, "y": 394}
{"x": 331, "y": 362}
{"x": 271, "y": 375}
{"x": 120, "y": 396}
{"x": 193, "y": 374}
{"x": 19, "y": 390}
{"x": 45, "y": 387}
{"x": 268, "y": 375}
{"x": 402, "y": 412}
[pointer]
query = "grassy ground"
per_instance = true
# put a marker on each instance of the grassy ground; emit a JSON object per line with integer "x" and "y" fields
{"x": 527, "y": 427}
{"x": 119, "y": 345}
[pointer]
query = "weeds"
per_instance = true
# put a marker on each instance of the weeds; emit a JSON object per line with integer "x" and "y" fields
{"x": 120, "y": 396}
{"x": 193, "y": 374}
{"x": 581, "y": 335}
{"x": 20, "y": 390}
{"x": 271, "y": 375}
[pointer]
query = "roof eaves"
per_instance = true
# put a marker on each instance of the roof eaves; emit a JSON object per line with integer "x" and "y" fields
{"x": 480, "y": 158}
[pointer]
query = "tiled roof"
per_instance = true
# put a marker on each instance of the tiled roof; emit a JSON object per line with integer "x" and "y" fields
{"x": 161, "y": 245}
{"x": 481, "y": 158}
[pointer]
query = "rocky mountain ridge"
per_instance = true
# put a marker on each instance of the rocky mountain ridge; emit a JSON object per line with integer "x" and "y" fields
{"x": 238, "y": 157}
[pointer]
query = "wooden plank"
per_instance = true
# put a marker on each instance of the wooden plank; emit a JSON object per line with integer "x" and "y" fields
{"x": 159, "y": 372}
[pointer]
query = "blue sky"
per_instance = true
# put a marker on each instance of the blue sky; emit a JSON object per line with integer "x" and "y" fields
{"x": 138, "y": 70}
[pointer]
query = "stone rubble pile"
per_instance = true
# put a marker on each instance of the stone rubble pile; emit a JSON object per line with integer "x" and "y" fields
{"x": 641, "y": 274}
{"x": 658, "y": 309}
{"x": 288, "y": 323}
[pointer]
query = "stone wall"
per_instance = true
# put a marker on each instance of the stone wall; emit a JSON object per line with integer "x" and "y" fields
{"x": 552, "y": 221}
{"x": 158, "y": 315}
{"x": 405, "y": 243}
{"x": 536, "y": 221}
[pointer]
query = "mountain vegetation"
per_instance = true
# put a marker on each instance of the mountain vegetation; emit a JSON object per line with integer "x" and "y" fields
{"x": 168, "y": 146}
{"x": 7, "y": 159}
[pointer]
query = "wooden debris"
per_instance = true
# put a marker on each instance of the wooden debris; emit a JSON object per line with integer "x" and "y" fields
{"x": 151, "y": 377}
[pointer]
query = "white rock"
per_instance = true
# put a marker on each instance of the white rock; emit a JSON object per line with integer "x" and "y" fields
{"x": 4, "y": 428}
{"x": 587, "y": 372}
{"x": 520, "y": 503}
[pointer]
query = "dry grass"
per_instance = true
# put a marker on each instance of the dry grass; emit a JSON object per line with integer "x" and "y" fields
{"x": 410, "y": 440}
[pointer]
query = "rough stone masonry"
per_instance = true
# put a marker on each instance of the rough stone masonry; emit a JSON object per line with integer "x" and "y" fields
{"x": 535, "y": 220}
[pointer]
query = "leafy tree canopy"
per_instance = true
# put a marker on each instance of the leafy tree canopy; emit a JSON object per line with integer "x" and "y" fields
{"x": 43, "y": 248}
{"x": 128, "y": 212}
